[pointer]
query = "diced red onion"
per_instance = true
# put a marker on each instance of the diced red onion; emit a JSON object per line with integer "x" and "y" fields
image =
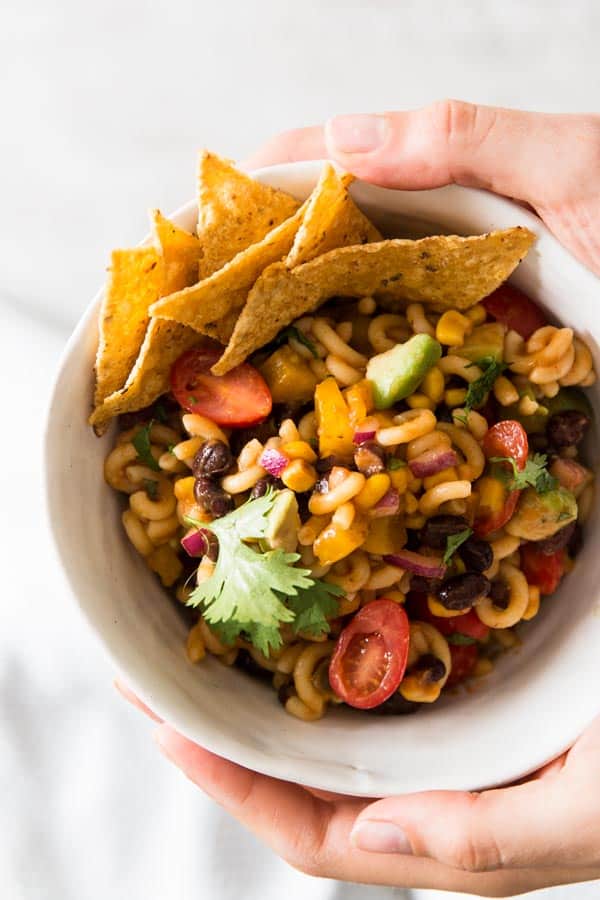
{"x": 417, "y": 563}
{"x": 366, "y": 431}
{"x": 431, "y": 462}
{"x": 388, "y": 505}
{"x": 273, "y": 461}
{"x": 195, "y": 543}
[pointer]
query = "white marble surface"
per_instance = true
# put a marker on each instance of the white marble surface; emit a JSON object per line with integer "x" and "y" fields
{"x": 103, "y": 107}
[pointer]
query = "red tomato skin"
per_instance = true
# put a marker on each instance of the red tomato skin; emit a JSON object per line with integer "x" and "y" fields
{"x": 238, "y": 399}
{"x": 509, "y": 305}
{"x": 507, "y": 438}
{"x": 542, "y": 570}
{"x": 464, "y": 659}
{"x": 389, "y": 620}
{"x": 487, "y": 524}
{"x": 468, "y": 624}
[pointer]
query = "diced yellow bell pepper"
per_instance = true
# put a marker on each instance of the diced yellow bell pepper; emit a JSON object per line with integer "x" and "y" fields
{"x": 289, "y": 376}
{"x": 386, "y": 535}
{"x": 299, "y": 476}
{"x": 359, "y": 398}
{"x": 336, "y": 543}
{"x": 333, "y": 421}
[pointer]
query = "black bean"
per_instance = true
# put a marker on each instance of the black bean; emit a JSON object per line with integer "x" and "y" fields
{"x": 431, "y": 668}
{"x": 461, "y": 591}
{"x": 425, "y": 585}
{"x": 263, "y": 484}
{"x": 556, "y": 541}
{"x": 369, "y": 458}
{"x": 303, "y": 510}
{"x": 443, "y": 413}
{"x": 499, "y": 594}
{"x": 438, "y": 528}
{"x": 476, "y": 554}
{"x": 396, "y": 705}
{"x": 567, "y": 429}
{"x": 213, "y": 458}
{"x": 326, "y": 464}
{"x": 212, "y": 498}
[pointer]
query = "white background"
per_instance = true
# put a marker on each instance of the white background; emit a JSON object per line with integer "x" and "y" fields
{"x": 103, "y": 107}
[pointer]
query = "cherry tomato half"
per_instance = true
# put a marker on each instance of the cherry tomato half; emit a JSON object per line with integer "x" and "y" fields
{"x": 237, "y": 399}
{"x": 489, "y": 520}
{"x": 514, "y": 309}
{"x": 507, "y": 438}
{"x": 544, "y": 571}
{"x": 464, "y": 659}
{"x": 468, "y": 624}
{"x": 370, "y": 656}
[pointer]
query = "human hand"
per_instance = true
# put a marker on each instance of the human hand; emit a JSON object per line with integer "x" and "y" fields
{"x": 550, "y": 162}
{"x": 545, "y": 831}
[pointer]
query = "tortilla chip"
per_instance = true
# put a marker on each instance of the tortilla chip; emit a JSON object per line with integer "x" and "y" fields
{"x": 444, "y": 271}
{"x": 234, "y": 211}
{"x": 164, "y": 343}
{"x": 221, "y": 296}
{"x": 133, "y": 285}
{"x": 175, "y": 254}
{"x": 331, "y": 220}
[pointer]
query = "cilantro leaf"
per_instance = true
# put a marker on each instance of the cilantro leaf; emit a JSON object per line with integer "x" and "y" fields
{"x": 535, "y": 474}
{"x": 292, "y": 332}
{"x": 395, "y": 463}
{"x": 313, "y": 606}
{"x": 454, "y": 541}
{"x": 247, "y": 586}
{"x": 479, "y": 388}
{"x": 141, "y": 442}
{"x": 151, "y": 488}
{"x": 460, "y": 640}
{"x": 160, "y": 412}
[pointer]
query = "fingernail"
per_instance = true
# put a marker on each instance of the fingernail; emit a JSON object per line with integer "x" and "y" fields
{"x": 356, "y": 134}
{"x": 380, "y": 837}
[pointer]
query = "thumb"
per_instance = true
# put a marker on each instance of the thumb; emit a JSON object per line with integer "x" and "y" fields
{"x": 546, "y": 822}
{"x": 507, "y": 151}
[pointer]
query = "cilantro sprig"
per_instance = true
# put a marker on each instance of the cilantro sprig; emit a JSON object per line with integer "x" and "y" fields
{"x": 480, "y": 388}
{"x": 453, "y": 542}
{"x": 535, "y": 474}
{"x": 254, "y": 593}
{"x": 292, "y": 332}
{"x": 141, "y": 442}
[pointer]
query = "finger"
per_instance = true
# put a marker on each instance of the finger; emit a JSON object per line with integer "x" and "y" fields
{"x": 289, "y": 146}
{"x": 510, "y": 152}
{"x": 132, "y": 698}
{"x": 536, "y": 824}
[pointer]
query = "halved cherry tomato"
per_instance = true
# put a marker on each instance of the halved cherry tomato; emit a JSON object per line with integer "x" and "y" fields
{"x": 370, "y": 656}
{"x": 237, "y": 399}
{"x": 544, "y": 571}
{"x": 464, "y": 658}
{"x": 514, "y": 309}
{"x": 490, "y": 519}
{"x": 507, "y": 438}
{"x": 468, "y": 624}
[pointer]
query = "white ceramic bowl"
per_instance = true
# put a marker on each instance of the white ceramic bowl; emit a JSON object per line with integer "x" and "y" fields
{"x": 529, "y": 710}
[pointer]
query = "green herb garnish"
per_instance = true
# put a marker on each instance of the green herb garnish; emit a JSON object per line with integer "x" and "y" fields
{"x": 453, "y": 542}
{"x": 254, "y": 593}
{"x": 395, "y": 463}
{"x": 292, "y": 332}
{"x": 535, "y": 474}
{"x": 142, "y": 444}
{"x": 460, "y": 640}
{"x": 160, "y": 412}
{"x": 480, "y": 388}
{"x": 151, "y": 488}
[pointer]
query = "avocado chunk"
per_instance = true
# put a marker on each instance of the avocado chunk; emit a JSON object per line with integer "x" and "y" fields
{"x": 283, "y": 523}
{"x": 485, "y": 341}
{"x": 539, "y": 516}
{"x": 566, "y": 399}
{"x": 398, "y": 372}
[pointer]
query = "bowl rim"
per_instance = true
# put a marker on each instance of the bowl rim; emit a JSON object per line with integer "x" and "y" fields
{"x": 156, "y": 694}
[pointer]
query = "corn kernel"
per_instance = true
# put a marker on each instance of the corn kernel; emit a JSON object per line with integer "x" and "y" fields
{"x": 455, "y": 396}
{"x": 477, "y": 314}
{"x": 419, "y": 401}
{"x": 299, "y": 450}
{"x": 491, "y": 494}
{"x": 433, "y": 384}
{"x": 448, "y": 474}
{"x": 411, "y": 504}
{"x": 299, "y": 476}
{"x": 396, "y": 596}
{"x": 374, "y": 489}
{"x": 184, "y": 488}
{"x": 533, "y": 606}
{"x": 399, "y": 479}
{"x": 483, "y": 667}
{"x": 452, "y": 328}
